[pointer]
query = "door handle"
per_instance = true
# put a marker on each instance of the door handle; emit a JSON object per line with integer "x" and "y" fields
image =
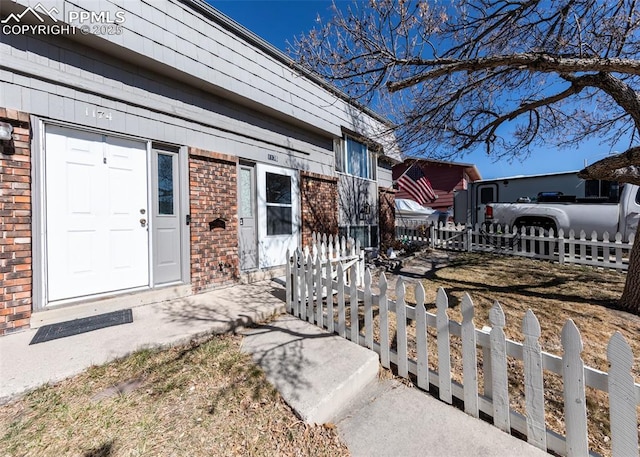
{"x": 143, "y": 222}
{"x": 242, "y": 221}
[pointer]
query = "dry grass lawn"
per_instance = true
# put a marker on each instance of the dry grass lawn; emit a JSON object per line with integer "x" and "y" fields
{"x": 203, "y": 399}
{"x": 554, "y": 293}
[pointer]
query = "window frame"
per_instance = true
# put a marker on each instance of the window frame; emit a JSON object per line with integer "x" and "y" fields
{"x": 287, "y": 205}
{"x": 371, "y": 232}
{"x": 344, "y": 164}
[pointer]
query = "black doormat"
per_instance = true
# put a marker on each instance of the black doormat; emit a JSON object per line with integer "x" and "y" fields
{"x": 77, "y": 326}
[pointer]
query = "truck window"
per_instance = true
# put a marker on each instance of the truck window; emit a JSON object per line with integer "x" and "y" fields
{"x": 638, "y": 197}
{"x": 603, "y": 188}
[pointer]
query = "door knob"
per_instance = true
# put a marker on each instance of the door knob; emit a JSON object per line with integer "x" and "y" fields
{"x": 143, "y": 222}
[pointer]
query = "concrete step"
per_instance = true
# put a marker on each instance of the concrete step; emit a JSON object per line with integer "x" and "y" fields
{"x": 316, "y": 373}
{"x": 325, "y": 378}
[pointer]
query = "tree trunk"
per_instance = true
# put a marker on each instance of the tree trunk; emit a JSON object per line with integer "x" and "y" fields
{"x": 630, "y": 300}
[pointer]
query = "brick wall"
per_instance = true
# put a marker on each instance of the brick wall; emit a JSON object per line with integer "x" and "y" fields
{"x": 213, "y": 190}
{"x": 386, "y": 216}
{"x": 15, "y": 225}
{"x": 319, "y": 205}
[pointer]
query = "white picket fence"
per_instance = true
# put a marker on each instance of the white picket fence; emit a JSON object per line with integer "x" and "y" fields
{"x": 312, "y": 283}
{"x": 601, "y": 251}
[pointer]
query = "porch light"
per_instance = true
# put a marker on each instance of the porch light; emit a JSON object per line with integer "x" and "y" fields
{"x": 5, "y": 131}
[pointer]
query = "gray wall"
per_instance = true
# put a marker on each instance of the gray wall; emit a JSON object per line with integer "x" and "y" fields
{"x": 353, "y": 193}
{"x": 510, "y": 189}
{"x": 174, "y": 75}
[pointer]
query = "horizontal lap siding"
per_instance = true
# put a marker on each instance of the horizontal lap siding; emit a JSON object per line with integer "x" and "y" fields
{"x": 149, "y": 105}
{"x": 445, "y": 179}
{"x": 181, "y": 37}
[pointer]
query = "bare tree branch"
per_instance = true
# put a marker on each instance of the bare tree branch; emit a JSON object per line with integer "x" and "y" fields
{"x": 538, "y": 62}
{"x": 623, "y": 167}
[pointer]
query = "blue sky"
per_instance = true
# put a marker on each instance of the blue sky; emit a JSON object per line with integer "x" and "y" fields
{"x": 279, "y": 21}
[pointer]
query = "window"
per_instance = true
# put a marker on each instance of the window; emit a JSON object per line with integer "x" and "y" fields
{"x": 486, "y": 195}
{"x": 602, "y": 188}
{"x": 366, "y": 234}
{"x": 279, "y": 206}
{"x": 354, "y": 158}
{"x": 165, "y": 184}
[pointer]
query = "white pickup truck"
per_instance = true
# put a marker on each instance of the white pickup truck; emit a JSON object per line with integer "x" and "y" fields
{"x": 602, "y": 217}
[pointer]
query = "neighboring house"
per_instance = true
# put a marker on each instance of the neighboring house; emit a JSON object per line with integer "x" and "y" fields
{"x": 527, "y": 189}
{"x": 169, "y": 154}
{"x": 446, "y": 178}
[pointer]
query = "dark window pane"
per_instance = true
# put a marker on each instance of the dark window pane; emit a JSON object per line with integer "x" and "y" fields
{"x": 279, "y": 220}
{"x": 165, "y": 184}
{"x": 486, "y": 195}
{"x": 592, "y": 188}
{"x": 374, "y": 236}
{"x": 278, "y": 189}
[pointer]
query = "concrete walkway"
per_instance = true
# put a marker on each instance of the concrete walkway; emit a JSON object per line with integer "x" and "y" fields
{"x": 324, "y": 378}
{"x": 24, "y": 367}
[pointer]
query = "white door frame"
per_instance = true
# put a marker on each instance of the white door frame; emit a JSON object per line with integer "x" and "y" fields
{"x": 38, "y": 216}
{"x": 268, "y": 244}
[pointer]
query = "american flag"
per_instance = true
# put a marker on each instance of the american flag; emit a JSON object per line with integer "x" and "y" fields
{"x": 414, "y": 185}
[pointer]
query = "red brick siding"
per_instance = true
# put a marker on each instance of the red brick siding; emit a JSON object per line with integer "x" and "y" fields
{"x": 319, "y": 196}
{"x": 15, "y": 225}
{"x": 387, "y": 217}
{"x": 213, "y": 194}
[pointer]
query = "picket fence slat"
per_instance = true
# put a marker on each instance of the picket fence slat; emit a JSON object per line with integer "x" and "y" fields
{"x": 534, "y": 385}
{"x": 443, "y": 340}
{"x": 288, "y": 289}
{"x": 329, "y": 287}
{"x": 384, "y": 322}
{"x": 319, "y": 293}
{"x": 422, "y": 339}
{"x": 368, "y": 310}
{"x": 296, "y": 286}
{"x": 353, "y": 300}
{"x": 575, "y": 411}
{"x": 401, "y": 330}
{"x": 622, "y": 411}
{"x": 310, "y": 291}
{"x": 341, "y": 304}
{"x": 499, "y": 373}
{"x": 469, "y": 357}
{"x": 311, "y": 277}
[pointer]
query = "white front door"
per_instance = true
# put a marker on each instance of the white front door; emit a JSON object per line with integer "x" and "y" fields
{"x": 96, "y": 213}
{"x": 278, "y": 214}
